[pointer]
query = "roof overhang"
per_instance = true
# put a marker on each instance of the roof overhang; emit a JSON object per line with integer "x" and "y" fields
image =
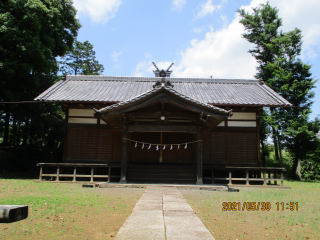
{"x": 208, "y": 115}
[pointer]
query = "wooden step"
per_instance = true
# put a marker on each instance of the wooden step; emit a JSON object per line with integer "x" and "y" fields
{"x": 161, "y": 174}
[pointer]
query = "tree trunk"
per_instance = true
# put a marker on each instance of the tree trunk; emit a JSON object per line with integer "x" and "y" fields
{"x": 6, "y": 128}
{"x": 31, "y": 132}
{"x": 42, "y": 137}
{"x": 275, "y": 144}
{"x": 26, "y": 129}
{"x": 18, "y": 133}
{"x": 296, "y": 168}
{"x": 14, "y": 131}
{"x": 280, "y": 150}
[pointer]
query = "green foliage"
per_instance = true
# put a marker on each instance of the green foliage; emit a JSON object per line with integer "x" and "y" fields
{"x": 264, "y": 132}
{"x": 81, "y": 60}
{"x": 310, "y": 168}
{"x": 32, "y": 34}
{"x": 261, "y": 28}
{"x": 21, "y": 161}
{"x": 292, "y": 79}
{"x": 281, "y": 69}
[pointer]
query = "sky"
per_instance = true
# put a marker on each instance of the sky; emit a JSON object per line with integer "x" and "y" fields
{"x": 201, "y": 37}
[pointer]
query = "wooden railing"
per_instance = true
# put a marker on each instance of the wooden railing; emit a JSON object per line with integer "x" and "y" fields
{"x": 257, "y": 174}
{"x": 59, "y": 173}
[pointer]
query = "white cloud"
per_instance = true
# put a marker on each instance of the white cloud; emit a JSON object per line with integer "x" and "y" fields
{"x": 98, "y": 10}
{"x": 305, "y": 16}
{"x": 207, "y": 8}
{"x": 301, "y": 14}
{"x": 224, "y": 20}
{"x": 177, "y": 5}
{"x": 197, "y": 30}
{"x": 115, "y": 55}
{"x": 222, "y": 54}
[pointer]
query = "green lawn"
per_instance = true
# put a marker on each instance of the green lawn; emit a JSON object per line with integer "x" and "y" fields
{"x": 303, "y": 223}
{"x": 66, "y": 210}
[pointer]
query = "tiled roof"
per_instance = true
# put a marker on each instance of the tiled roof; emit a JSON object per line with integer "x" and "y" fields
{"x": 118, "y": 89}
{"x": 162, "y": 88}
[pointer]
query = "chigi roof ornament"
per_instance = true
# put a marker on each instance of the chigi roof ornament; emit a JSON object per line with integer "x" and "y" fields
{"x": 162, "y": 74}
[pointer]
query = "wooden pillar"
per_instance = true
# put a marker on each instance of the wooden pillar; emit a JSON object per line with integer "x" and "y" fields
{"x": 230, "y": 177}
{"x": 74, "y": 174}
{"x": 66, "y": 132}
{"x": 40, "y": 175}
{"x": 109, "y": 174}
{"x": 281, "y": 178}
{"x": 264, "y": 178}
{"x": 258, "y": 139}
{"x": 91, "y": 179}
{"x": 58, "y": 172}
{"x": 161, "y": 141}
{"x": 247, "y": 177}
{"x": 199, "y": 158}
{"x": 123, "y": 177}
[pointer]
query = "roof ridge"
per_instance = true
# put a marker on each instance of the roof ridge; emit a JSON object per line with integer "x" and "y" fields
{"x": 172, "y": 79}
{"x": 271, "y": 92}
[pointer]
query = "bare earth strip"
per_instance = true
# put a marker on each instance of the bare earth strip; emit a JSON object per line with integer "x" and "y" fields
{"x": 163, "y": 213}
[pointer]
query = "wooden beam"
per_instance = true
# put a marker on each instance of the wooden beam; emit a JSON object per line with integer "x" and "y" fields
{"x": 199, "y": 158}
{"x": 258, "y": 141}
{"x": 123, "y": 177}
{"x": 162, "y": 107}
{"x": 174, "y": 99}
{"x": 179, "y": 120}
{"x": 81, "y": 105}
{"x": 244, "y": 108}
{"x": 166, "y": 114}
{"x": 161, "y": 128}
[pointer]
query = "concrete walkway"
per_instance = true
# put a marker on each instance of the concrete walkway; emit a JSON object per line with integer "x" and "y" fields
{"x": 163, "y": 213}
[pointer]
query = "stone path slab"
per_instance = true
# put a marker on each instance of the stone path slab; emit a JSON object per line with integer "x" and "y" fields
{"x": 163, "y": 213}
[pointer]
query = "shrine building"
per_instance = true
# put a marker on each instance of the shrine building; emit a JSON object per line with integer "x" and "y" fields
{"x": 161, "y": 129}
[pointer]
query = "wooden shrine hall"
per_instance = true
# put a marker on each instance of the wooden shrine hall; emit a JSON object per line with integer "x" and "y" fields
{"x": 161, "y": 130}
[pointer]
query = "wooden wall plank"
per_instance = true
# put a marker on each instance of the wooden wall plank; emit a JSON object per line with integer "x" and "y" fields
{"x": 90, "y": 145}
{"x": 229, "y": 148}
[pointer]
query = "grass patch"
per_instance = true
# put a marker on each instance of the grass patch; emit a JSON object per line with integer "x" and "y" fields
{"x": 272, "y": 224}
{"x": 66, "y": 211}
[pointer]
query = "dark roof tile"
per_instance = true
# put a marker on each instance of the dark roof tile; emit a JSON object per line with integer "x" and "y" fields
{"x": 119, "y": 89}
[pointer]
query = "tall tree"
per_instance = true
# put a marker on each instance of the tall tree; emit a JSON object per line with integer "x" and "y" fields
{"x": 32, "y": 34}
{"x": 292, "y": 79}
{"x": 262, "y": 26}
{"x": 81, "y": 60}
{"x": 279, "y": 66}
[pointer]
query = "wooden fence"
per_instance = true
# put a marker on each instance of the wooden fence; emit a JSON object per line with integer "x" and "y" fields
{"x": 245, "y": 174}
{"x": 104, "y": 172}
{"x": 78, "y": 170}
